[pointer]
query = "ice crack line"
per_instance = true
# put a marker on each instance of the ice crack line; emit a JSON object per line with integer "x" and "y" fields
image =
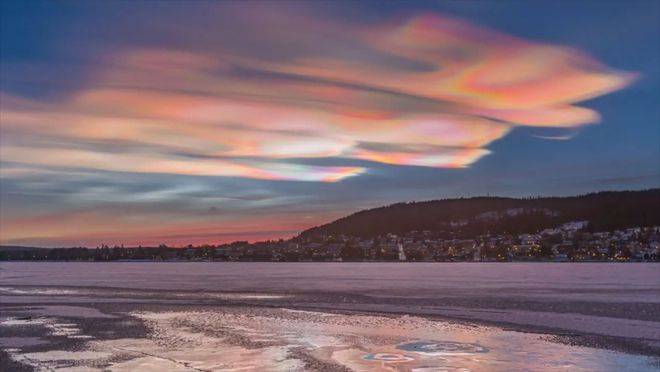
{"x": 185, "y": 364}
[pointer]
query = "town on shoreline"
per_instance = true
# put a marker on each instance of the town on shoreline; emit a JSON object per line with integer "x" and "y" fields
{"x": 569, "y": 242}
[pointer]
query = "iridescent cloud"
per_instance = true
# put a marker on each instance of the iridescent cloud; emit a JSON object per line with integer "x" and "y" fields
{"x": 432, "y": 91}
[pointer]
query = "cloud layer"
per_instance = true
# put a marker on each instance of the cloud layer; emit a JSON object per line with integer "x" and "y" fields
{"x": 425, "y": 91}
{"x": 222, "y": 121}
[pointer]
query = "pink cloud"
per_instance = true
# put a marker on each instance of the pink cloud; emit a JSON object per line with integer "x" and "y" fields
{"x": 244, "y": 116}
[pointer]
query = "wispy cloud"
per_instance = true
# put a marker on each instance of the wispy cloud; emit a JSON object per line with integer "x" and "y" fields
{"x": 565, "y": 137}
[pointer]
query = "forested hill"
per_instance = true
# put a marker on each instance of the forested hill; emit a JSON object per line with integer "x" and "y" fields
{"x": 605, "y": 211}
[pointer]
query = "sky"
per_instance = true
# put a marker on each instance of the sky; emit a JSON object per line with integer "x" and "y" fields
{"x": 141, "y": 123}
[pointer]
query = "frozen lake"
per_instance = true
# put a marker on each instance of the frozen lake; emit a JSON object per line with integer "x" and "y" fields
{"x": 360, "y": 316}
{"x": 606, "y": 281}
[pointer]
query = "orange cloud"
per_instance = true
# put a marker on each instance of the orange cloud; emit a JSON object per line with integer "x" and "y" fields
{"x": 437, "y": 90}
